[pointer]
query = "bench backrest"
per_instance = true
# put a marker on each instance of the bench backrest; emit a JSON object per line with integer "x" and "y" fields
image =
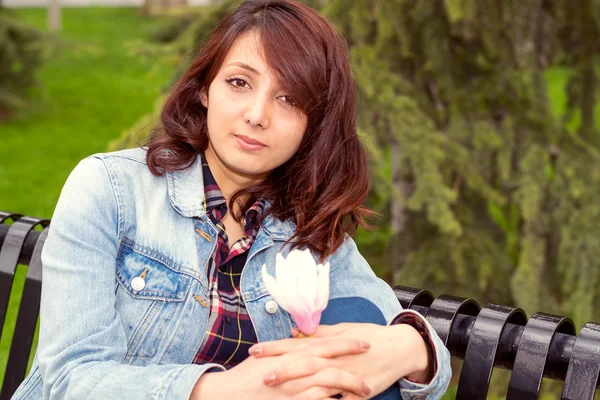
{"x": 493, "y": 336}
{"x": 20, "y": 243}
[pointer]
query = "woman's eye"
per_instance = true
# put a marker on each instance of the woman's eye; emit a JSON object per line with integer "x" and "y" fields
{"x": 237, "y": 82}
{"x": 288, "y": 100}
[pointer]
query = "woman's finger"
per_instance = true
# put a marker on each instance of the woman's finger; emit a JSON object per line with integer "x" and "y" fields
{"x": 317, "y": 393}
{"x": 337, "y": 379}
{"x": 319, "y": 347}
{"x": 296, "y": 369}
{"x": 337, "y": 347}
{"x": 318, "y": 372}
{"x": 279, "y": 347}
{"x": 331, "y": 330}
{"x": 351, "y": 396}
{"x": 324, "y": 330}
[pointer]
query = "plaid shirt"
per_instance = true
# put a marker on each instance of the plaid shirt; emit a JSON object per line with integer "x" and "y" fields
{"x": 229, "y": 332}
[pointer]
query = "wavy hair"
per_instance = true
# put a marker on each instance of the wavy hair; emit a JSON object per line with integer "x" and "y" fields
{"x": 322, "y": 187}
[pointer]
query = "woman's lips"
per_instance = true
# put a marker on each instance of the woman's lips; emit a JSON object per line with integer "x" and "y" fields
{"x": 250, "y": 144}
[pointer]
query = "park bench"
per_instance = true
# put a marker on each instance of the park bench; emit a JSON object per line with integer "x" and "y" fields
{"x": 488, "y": 337}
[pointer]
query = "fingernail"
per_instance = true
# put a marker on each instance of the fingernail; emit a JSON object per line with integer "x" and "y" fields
{"x": 364, "y": 345}
{"x": 270, "y": 378}
{"x": 366, "y": 390}
{"x": 255, "y": 350}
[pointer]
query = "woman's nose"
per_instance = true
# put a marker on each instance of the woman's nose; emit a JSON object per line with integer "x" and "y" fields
{"x": 258, "y": 112}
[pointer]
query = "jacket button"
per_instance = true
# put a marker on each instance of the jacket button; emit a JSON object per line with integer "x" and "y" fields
{"x": 222, "y": 268}
{"x": 271, "y": 306}
{"x": 138, "y": 283}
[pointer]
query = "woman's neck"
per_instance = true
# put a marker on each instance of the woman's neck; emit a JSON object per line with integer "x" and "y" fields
{"x": 228, "y": 180}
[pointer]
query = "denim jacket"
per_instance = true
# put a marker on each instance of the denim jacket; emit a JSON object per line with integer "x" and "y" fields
{"x": 123, "y": 308}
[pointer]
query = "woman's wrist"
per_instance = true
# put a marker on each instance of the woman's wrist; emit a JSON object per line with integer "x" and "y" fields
{"x": 421, "y": 355}
{"x": 210, "y": 385}
{"x": 424, "y": 371}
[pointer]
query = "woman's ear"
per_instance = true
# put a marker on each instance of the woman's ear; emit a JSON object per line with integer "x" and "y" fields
{"x": 204, "y": 97}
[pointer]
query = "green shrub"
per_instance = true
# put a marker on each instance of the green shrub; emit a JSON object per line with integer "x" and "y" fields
{"x": 22, "y": 53}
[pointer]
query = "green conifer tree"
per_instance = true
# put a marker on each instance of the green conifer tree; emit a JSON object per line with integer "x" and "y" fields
{"x": 491, "y": 183}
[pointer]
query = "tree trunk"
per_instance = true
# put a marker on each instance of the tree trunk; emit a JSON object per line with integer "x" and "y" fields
{"x": 588, "y": 73}
{"x": 145, "y": 10}
{"x": 54, "y": 22}
{"x": 399, "y": 214}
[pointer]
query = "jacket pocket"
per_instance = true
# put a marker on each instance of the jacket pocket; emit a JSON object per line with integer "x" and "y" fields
{"x": 145, "y": 274}
{"x": 150, "y": 298}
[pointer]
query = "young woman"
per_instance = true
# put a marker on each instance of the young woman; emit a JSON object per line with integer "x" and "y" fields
{"x": 152, "y": 286}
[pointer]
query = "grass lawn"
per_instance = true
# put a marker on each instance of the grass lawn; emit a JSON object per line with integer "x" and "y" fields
{"x": 89, "y": 93}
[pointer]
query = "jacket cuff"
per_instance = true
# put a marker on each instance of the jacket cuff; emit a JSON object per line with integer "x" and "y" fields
{"x": 441, "y": 359}
{"x": 181, "y": 381}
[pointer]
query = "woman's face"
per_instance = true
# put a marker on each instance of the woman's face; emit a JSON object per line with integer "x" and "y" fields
{"x": 253, "y": 124}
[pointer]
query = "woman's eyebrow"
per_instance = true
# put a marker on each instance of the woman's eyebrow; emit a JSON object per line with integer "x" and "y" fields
{"x": 245, "y": 66}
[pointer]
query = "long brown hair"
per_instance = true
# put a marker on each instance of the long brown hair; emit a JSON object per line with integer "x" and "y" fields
{"x": 322, "y": 187}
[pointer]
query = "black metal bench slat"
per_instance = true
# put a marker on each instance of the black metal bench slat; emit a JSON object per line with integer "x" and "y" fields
{"x": 26, "y": 323}
{"x": 482, "y": 349}
{"x": 28, "y": 246}
{"x": 410, "y": 297}
{"x": 443, "y": 311}
{"x": 559, "y": 355}
{"x": 12, "y": 246}
{"x": 583, "y": 376}
{"x": 530, "y": 362}
{"x": 5, "y": 215}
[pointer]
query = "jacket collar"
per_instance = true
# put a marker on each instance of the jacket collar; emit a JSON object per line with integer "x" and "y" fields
{"x": 186, "y": 195}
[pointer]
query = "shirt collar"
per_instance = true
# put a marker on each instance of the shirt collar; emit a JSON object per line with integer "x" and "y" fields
{"x": 186, "y": 187}
{"x": 213, "y": 197}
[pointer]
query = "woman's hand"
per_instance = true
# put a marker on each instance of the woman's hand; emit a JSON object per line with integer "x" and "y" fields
{"x": 396, "y": 351}
{"x": 325, "y": 380}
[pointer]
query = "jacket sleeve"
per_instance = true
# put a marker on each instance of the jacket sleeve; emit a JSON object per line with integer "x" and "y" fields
{"x": 437, "y": 386}
{"x": 354, "y": 282}
{"x": 82, "y": 342}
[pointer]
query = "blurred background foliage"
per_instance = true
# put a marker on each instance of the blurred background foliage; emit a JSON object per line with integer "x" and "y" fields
{"x": 480, "y": 117}
{"x": 21, "y": 52}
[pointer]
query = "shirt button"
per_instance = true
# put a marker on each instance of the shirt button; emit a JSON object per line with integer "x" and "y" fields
{"x": 138, "y": 283}
{"x": 228, "y": 319}
{"x": 271, "y": 306}
{"x": 222, "y": 268}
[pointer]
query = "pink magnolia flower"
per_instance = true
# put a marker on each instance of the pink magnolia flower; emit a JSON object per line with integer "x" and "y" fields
{"x": 301, "y": 288}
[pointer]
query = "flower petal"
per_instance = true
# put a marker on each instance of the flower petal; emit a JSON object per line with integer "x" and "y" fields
{"x": 301, "y": 287}
{"x": 323, "y": 287}
{"x": 299, "y": 257}
{"x": 271, "y": 284}
{"x": 279, "y": 293}
{"x": 307, "y": 281}
{"x": 308, "y": 323}
{"x": 286, "y": 280}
